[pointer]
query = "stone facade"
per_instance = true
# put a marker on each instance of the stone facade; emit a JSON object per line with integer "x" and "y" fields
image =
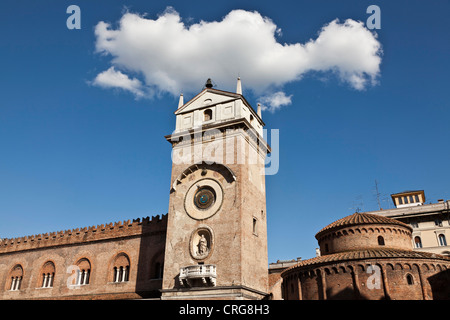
{"x": 367, "y": 256}
{"x": 430, "y": 222}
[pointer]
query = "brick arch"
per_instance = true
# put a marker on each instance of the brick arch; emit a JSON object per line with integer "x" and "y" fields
{"x": 15, "y": 277}
{"x": 16, "y": 270}
{"x": 46, "y": 274}
{"x": 83, "y": 263}
{"x": 119, "y": 267}
{"x": 398, "y": 266}
{"x": 156, "y": 266}
{"x": 84, "y": 271}
{"x": 226, "y": 172}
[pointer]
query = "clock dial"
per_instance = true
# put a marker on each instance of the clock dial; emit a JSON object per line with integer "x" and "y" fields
{"x": 204, "y": 198}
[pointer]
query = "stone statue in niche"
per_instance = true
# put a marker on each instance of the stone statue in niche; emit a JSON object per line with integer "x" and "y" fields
{"x": 202, "y": 246}
{"x": 201, "y": 243}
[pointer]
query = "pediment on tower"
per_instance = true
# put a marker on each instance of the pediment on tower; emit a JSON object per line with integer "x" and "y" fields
{"x": 207, "y": 98}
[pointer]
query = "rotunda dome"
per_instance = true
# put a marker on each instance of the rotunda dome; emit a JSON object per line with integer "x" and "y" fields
{"x": 364, "y": 231}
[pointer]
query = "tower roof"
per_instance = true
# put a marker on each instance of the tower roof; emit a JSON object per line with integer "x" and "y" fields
{"x": 360, "y": 219}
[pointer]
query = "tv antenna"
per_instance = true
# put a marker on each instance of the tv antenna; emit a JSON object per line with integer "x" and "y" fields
{"x": 377, "y": 194}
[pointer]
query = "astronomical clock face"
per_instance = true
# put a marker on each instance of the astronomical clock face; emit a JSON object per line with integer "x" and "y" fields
{"x": 203, "y": 199}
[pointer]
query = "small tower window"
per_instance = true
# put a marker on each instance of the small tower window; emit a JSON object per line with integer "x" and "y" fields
{"x": 380, "y": 240}
{"x": 207, "y": 115}
{"x": 255, "y": 229}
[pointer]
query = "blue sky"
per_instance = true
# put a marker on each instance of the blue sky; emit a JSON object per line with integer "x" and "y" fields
{"x": 74, "y": 154}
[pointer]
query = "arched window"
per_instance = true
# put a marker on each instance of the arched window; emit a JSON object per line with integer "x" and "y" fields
{"x": 409, "y": 279}
{"x": 83, "y": 272}
{"x": 16, "y": 276}
{"x": 380, "y": 240}
{"x": 207, "y": 115}
{"x": 159, "y": 268}
{"x": 442, "y": 240}
{"x": 417, "y": 242}
{"x": 121, "y": 268}
{"x": 156, "y": 266}
{"x": 47, "y": 275}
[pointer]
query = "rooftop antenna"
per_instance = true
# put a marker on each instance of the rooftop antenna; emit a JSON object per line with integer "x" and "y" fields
{"x": 357, "y": 205}
{"x": 377, "y": 194}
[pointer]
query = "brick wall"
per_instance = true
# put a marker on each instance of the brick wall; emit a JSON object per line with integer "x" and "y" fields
{"x": 138, "y": 246}
{"x": 399, "y": 279}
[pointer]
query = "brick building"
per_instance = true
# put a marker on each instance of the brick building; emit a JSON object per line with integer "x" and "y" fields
{"x": 430, "y": 221}
{"x": 368, "y": 256}
{"x": 114, "y": 261}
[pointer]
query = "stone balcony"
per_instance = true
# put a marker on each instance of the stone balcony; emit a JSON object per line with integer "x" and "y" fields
{"x": 198, "y": 275}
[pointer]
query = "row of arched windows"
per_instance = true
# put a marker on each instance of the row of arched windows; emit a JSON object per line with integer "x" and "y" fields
{"x": 81, "y": 272}
{"x": 442, "y": 241}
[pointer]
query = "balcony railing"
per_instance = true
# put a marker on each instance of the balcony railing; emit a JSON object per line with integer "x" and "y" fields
{"x": 205, "y": 272}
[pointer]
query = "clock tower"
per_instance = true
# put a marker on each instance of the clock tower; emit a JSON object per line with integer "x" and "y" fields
{"x": 216, "y": 245}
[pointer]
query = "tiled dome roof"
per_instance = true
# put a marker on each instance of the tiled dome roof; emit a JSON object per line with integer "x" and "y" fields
{"x": 359, "y": 219}
{"x": 368, "y": 254}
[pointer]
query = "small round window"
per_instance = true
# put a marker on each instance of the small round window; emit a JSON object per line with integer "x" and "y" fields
{"x": 204, "y": 198}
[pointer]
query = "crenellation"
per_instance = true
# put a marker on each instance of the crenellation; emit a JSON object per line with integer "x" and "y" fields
{"x": 79, "y": 235}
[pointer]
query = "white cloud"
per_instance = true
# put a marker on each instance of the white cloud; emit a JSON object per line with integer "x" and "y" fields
{"x": 275, "y": 101}
{"x": 170, "y": 56}
{"x": 112, "y": 78}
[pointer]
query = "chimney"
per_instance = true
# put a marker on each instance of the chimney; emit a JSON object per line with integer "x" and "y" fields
{"x": 259, "y": 110}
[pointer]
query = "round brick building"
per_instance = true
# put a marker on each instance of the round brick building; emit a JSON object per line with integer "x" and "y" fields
{"x": 367, "y": 256}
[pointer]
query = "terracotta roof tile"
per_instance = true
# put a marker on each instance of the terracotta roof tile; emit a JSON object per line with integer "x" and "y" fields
{"x": 367, "y": 254}
{"x": 360, "y": 219}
